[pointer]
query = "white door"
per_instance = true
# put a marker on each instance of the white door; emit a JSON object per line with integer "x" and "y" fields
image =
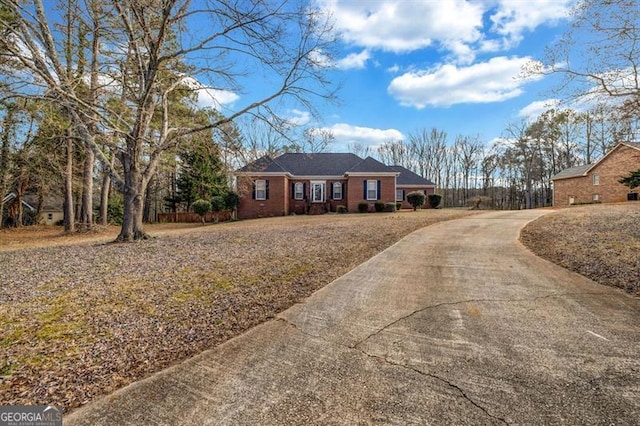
{"x": 317, "y": 192}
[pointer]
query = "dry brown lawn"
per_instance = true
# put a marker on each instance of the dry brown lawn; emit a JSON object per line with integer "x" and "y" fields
{"x": 80, "y": 317}
{"x": 601, "y": 242}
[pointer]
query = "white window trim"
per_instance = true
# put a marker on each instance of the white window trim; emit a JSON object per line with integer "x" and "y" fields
{"x": 374, "y": 190}
{"x": 595, "y": 197}
{"x": 295, "y": 190}
{"x": 401, "y": 195}
{"x": 323, "y": 187}
{"x": 259, "y": 183}
{"x": 595, "y": 179}
{"x": 337, "y": 185}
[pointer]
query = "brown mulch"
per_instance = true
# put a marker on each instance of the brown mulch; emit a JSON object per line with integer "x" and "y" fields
{"x": 80, "y": 318}
{"x": 601, "y": 242}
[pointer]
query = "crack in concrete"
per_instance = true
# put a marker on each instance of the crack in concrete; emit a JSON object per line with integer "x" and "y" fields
{"x": 426, "y": 308}
{"x": 441, "y": 379}
{"x": 462, "y": 393}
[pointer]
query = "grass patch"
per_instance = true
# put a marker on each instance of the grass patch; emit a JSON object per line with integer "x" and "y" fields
{"x": 601, "y": 242}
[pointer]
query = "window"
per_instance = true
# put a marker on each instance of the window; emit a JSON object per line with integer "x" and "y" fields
{"x": 299, "y": 191}
{"x": 596, "y": 179}
{"x": 337, "y": 191}
{"x": 595, "y": 197}
{"x": 317, "y": 192}
{"x": 372, "y": 190}
{"x": 399, "y": 195}
{"x": 261, "y": 189}
{"x": 49, "y": 216}
{"x": 572, "y": 200}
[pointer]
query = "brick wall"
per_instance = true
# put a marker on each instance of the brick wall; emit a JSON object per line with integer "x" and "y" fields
{"x": 582, "y": 189}
{"x": 303, "y": 206}
{"x": 356, "y": 191}
{"x": 276, "y": 205}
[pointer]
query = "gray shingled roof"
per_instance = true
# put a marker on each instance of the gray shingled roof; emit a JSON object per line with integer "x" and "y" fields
{"x": 320, "y": 164}
{"x": 407, "y": 177}
{"x": 572, "y": 172}
{"x": 263, "y": 164}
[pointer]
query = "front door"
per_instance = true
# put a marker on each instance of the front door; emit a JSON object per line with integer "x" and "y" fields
{"x": 317, "y": 191}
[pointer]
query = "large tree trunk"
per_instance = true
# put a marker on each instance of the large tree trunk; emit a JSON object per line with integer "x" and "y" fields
{"x": 69, "y": 217}
{"x": 104, "y": 198}
{"x": 4, "y": 158}
{"x": 134, "y": 189}
{"x": 86, "y": 209}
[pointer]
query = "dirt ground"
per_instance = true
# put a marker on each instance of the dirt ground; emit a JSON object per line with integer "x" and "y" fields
{"x": 80, "y": 317}
{"x": 600, "y": 241}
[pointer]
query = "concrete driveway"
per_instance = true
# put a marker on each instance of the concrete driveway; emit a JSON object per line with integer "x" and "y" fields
{"x": 455, "y": 324}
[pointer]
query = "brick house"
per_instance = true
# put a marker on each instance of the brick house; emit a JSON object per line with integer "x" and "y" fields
{"x": 317, "y": 183}
{"x": 597, "y": 182}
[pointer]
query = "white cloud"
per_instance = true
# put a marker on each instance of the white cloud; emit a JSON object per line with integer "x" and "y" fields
{"x": 403, "y": 26}
{"x": 346, "y": 133}
{"x": 513, "y": 17}
{"x": 484, "y": 82}
{"x": 299, "y": 118}
{"x": 320, "y": 59}
{"x": 210, "y": 97}
{"x": 393, "y": 69}
{"x": 535, "y": 109}
{"x": 354, "y": 60}
{"x": 458, "y": 27}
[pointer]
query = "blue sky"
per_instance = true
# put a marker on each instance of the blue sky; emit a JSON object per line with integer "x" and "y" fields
{"x": 446, "y": 64}
{"x": 451, "y": 64}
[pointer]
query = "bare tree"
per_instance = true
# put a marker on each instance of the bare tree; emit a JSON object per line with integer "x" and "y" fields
{"x": 599, "y": 55}
{"x": 359, "y": 149}
{"x": 315, "y": 140}
{"x": 154, "y": 57}
{"x": 395, "y": 153}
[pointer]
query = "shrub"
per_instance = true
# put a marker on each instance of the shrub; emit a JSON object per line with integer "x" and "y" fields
{"x": 434, "y": 200}
{"x": 416, "y": 199}
{"x": 389, "y": 207}
{"x": 115, "y": 210}
{"x": 342, "y": 209}
{"x": 363, "y": 207}
{"x": 231, "y": 200}
{"x": 217, "y": 205}
{"x": 379, "y": 206}
{"x": 398, "y": 205}
{"x": 201, "y": 208}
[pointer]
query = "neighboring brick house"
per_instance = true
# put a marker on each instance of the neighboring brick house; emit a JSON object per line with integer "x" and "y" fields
{"x": 314, "y": 184}
{"x": 409, "y": 181}
{"x": 597, "y": 182}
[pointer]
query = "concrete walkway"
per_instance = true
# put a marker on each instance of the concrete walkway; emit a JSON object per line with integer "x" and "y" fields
{"x": 455, "y": 324}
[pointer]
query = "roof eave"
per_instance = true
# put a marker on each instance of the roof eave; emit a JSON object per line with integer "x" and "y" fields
{"x": 262, "y": 174}
{"x": 372, "y": 174}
